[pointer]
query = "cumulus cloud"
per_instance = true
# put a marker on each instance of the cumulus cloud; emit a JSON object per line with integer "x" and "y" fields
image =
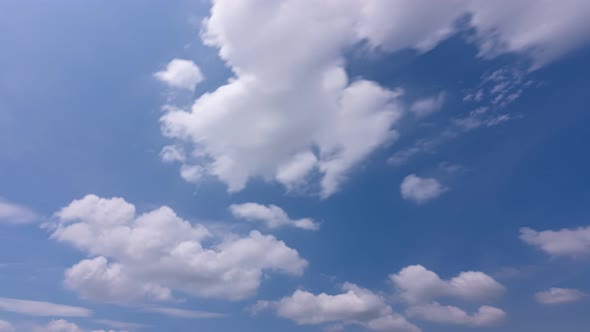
{"x": 12, "y": 213}
{"x": 271, "y": 215}
{"x": 427, "y": 106}
{"x": 151, "y": 255}
{"x": 564, "y": 242}
{"x": 184, "y": 313}
{"x": 41, "y": 308}
{"x": 420, "y": 190}
{"x": 291, "y": 114}
{"x": 355, "y": 305}
{"x": 182, "y": 74}
{"x": 559, "y": 296}
{"x": 446, "y": 314}
{"x": 417, "y": 284}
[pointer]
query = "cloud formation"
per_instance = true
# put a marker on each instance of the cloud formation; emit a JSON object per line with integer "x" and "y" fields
{"x": 181, "y": 74}
{"x": 427, "y": 106}
{"x": 420, "y": 190}
{"x": 151, "y": 255}
{"x": 447, "y": 314}
{"x": 355, "y": 305}
{"x": 559, "y": 296}
{"x": 564, "y": 242}
{"x": 41, "y": 308}
{"x": 271, "y": 215}
{"x": 12, "y": 213}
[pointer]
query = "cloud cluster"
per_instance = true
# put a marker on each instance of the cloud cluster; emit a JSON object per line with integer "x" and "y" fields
{"x": 355, "y": 305}
{"x": 420, "y": 287}
{"x": 559, "y": 296}
{"x": 151, "y": 255}
{"x": 272, "y": 216}
{"x": 420, "y": 190}
{"x": 291, "y": 114}
{"x": 564, "y": 242}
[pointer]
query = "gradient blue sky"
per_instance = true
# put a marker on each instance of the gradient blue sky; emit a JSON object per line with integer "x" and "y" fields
{"x": 81, "y": 112}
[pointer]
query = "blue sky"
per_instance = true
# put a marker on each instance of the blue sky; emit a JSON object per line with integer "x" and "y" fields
{"x": 294, "y": 165}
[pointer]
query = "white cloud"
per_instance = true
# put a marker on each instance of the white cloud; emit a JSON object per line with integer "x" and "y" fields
{"x": 119, "y": 324}
{"x": 6, "y": 326}
{"x": 420, "y": 190}
{"x": 40, "y": 308}
{"x": 291, "y": 110}
{"x": 427, "y": 106}
{"x": 564, "y": 242}
{"x": 559, "y": 296}
{"x": 61, "y": 325}
{"x": 417, "y": 284}
{"x": 446, "y": 314}
{"x": 151, "y": 255}
{"x": 179, "y": 73}
{"x": 12, "y": 213}
{"x": 355, "y": 305}
{"x": 271, "y": 215}
{"x": 184, "y": 313}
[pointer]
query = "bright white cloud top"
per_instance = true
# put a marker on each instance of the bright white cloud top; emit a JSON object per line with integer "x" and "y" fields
{"x": 564, "y": 242}
{"x": 271, "y": 215}
{"x": 182, "y": 74}
{"x": 559, "y": 296}
{"x": 151, "y": 255}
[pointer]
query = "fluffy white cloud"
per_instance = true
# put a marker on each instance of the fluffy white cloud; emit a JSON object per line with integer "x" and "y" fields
{"x": 40, "y": 308}
{"x": 564, "y": 242}
{"x": 559, "y": 296}
{"x": 355, "y": 305}
{"x": 6, "y": 326}
{"x": 153, "y": 254}
{"x": 427, "y": 106}
{"x": 12, "y": 213}
{"x": 417, "y": 284}
{"x": 446, "y": 314}
{"x": 420, "y": 190}
{"x": 184, "y": 313}
{"x": 179, "y": 73}
{"x": 271, "y": 215}
{"x": 291, "y": 114}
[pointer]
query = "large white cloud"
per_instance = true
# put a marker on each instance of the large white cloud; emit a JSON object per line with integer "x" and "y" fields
{"x": 559, "y": 296}
{"x": 151, "y": 255}
{"x": 564, "y": 242}
{"x": 41, "y": 308}
{"x": 12, "y": 213}
{"x": 272, "y": 216}
{"x": 447, "y": 314}
{"x": 291, "y": 113}
{"x": 420, "y": 190}
{"x": 355, "y": 305}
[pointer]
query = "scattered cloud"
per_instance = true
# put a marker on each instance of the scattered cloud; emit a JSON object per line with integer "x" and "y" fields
{"x": 564, "y": 242}
{"x": 12, "y": 213}
{"x": 151, "y": 255}
{"x": 40, "y": 308}
{"x": 447, "y": 314}
{"x": 355, "y": 305}
{"x": 184, "y": 313}
{"x": 6, "y": 326}
{"x": 427, "y": 106}
{"x": 271, "y": 215}
{"x": 182, "y": 74}
{"x": 420, "y": 190}
{"x": 559, "y": 296}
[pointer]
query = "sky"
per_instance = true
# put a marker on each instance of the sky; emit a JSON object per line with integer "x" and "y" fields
{"x": 294, "y": 165}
